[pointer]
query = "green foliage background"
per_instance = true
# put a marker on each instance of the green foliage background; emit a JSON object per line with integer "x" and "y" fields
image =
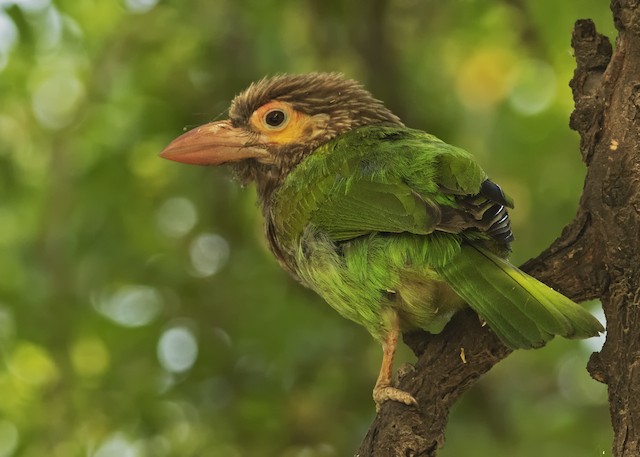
{"x": 140, "y": 313}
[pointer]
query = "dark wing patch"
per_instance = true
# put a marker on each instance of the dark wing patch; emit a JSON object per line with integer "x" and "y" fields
{"x": 494, "y": 193}
{"x": 485, "y": 212}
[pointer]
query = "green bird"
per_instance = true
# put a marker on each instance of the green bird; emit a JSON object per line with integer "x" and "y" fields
{"x": 394, "y": 228}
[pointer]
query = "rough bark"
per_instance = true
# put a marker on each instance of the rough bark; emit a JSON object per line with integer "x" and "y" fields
{"x": 596, "y": 256}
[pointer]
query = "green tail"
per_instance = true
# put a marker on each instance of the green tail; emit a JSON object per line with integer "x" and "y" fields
{"x": 521, "y": 310}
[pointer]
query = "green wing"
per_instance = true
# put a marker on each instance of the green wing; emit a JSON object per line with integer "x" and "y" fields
{"x": 370, "y": 206}
{"x": 405, "y": 181}
{"x": 390, "y": 180}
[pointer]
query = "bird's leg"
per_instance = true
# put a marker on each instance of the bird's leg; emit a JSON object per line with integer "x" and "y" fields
{"x": 384, "y": 389}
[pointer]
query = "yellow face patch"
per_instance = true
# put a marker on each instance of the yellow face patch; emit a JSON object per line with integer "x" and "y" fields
{"x": 278, "y": 123}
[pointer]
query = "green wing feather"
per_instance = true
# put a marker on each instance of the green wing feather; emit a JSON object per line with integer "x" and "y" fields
{"x": 397, "y": 180}
{"x": 371, "y": 206}
{"x": 521, "y": 310}
{"x": 390, "y": 180}
{"x": 361, "y": 183}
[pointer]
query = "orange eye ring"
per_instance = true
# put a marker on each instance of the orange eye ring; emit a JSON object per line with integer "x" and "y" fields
{"x": 278, "y": 122}
{"x": 273, "y": 117}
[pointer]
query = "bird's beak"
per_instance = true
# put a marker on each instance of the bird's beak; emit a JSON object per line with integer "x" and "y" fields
{"x": 213, "y": 144}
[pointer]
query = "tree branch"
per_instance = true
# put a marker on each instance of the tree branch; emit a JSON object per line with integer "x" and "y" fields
{"x": 448, "y": 364}
{"x": 612, "y": 196}
{"x": 596, "y": 256}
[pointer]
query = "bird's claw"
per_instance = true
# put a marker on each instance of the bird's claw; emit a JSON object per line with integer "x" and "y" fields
{"x": 386, "y": 393}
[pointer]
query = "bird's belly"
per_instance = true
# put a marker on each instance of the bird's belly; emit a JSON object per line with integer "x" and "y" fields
{"x": 365, "y": 278}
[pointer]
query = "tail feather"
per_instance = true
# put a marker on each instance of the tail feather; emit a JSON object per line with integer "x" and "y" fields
{"x": 521, "y": 310}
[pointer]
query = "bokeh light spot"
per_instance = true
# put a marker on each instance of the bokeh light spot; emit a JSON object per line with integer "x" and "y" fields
{"x": 117, "y": 446}
{"x": 534, "y": 88}
{"x": 130, "y": 305}
{"x": 8, "y": 38}
{"x": 140, "y": 6}
{"x": 594, "y": 344}
{"x": 209, "y": 252}
{"x": 177, "y": 349}
{"x": 50, "y": 29}
{"x": 90, "y": 357}
{"x": 32, "y": 364}
{"x": 9, "y": 438}
{"x": 55, "y": 99}
{"x": 32, "y": 6}
{"x": 177, "y": 216}
{"x": 576, "y": 385}
{"x": 482, "y": 80}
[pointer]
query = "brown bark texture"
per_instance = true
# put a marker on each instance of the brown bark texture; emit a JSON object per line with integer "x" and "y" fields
{"x": 596, "y": 256}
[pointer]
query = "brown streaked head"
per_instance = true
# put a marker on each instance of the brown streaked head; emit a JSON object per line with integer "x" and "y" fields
{"x": 278, "y": 121}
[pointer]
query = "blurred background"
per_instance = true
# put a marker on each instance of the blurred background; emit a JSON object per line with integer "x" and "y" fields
{"x": 140, "y": 312}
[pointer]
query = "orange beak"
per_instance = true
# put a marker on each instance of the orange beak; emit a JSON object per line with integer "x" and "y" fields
{"x": 214, "y": 144}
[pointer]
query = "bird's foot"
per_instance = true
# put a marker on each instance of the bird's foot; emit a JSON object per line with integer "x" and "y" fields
{"x": 386, "y": 393}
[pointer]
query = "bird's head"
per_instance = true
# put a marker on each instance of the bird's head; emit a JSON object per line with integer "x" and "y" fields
{"x": 278, "y": 121}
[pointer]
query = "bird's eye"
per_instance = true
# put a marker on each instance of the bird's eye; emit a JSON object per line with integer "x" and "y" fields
{"x": 275, "y": 118}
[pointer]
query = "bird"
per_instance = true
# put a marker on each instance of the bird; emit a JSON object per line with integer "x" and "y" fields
{"x": 392, "y": 227}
